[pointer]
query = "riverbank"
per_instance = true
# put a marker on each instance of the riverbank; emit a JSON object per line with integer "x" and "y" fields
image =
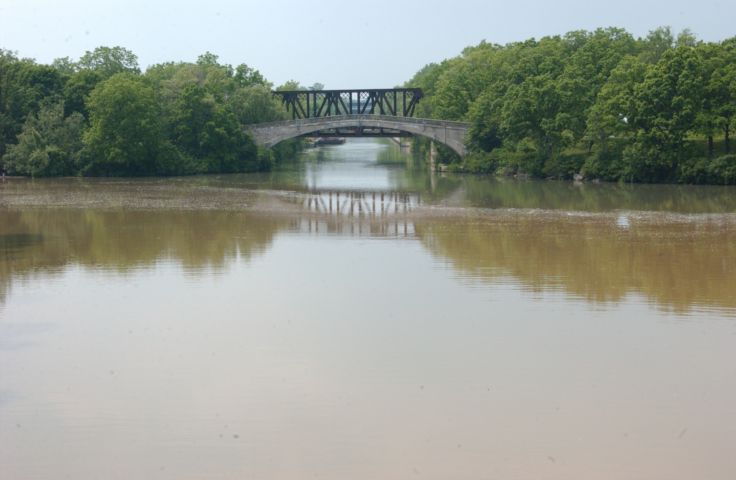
{"x": 695, "y": 168}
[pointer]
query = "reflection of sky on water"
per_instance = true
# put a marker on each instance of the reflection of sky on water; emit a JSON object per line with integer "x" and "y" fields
{"x": 347, "y": 167}
{"x": 16, "y": 336}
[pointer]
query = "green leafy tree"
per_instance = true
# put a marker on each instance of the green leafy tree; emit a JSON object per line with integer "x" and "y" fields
{"x": 666, "y": 105}
{"x": 77, "y": 89}
{"x": 290, "y": 85}
{"x": 656, "y": 44}
{"x": 246, "y": 76}
{"x": 171, "y": 80}
{"x": 727, "y": 110}
{"x": 707, "y": 119}
{"x": 609, "y": 122}
{"x": 208, "y": 59}
{"x": 209, "y": 133}
{"x": 486, "y": 119}
{"x": 125, "y": 136}
{"x": 530, "y": 113}
{"x": 108, "y": 61}
{"x": 463, "y": 80}
{"x": 719, "y": 96}
{"x": 256, "y": 104}
{"x": 48, "y": 145}
{"x": 686, "y": 38}
{"x": 594, "y": 56}
{"x": 65, "y": 66}
{"x": 604, "y": 102}
{"x": 427, "y": 79}
{"x": 204, "y": 107}
{"x": 23, "y": 86}
{"x": 178, "y": 118}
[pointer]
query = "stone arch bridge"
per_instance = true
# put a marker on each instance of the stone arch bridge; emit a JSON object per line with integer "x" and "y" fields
{"x": 451, "y": 134}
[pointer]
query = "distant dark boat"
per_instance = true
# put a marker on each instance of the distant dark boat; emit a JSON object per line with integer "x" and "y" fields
{"x": 329, "y": 141}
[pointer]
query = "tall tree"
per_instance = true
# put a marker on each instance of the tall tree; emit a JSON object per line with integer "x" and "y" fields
{"x": 48, "y": 145}
{"x": 246, "y": 76}
{"x": 667, "y": 103}
{"x": 77, "y": 89}
{"x": 609, "y": 122}
{"x": 593, "y": 58}
{"x": 530, "y": 113}
{"x": 108, "y": 61}
{"x": 656, "y": 44}
{"x": 23, "y": 86}
{"x": 207, "y": 132}
{"x": 719, "y": 98}
{"x": 125, "y": 136}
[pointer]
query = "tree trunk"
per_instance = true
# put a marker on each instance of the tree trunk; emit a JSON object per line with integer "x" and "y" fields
{"x": 710, "y": 145}
{"x": 727, "y": 140}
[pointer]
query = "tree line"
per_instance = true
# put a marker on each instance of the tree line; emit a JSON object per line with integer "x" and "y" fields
{"x": 600, "y": 104}
{"x": 101, "y": 116}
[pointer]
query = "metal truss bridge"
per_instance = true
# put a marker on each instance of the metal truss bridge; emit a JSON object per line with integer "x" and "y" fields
{"x": 396, "y": 102}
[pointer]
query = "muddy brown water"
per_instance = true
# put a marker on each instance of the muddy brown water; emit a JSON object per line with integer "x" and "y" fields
{"x": 358, "y": 317}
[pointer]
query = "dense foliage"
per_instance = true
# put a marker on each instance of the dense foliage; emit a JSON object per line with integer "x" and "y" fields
{"x": 102, "y": 116}
{"x": 600, "y": 104}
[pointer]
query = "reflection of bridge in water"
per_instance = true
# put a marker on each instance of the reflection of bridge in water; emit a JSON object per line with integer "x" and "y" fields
{"x": 361, "y": 203}
{"x": 356, "y": 212}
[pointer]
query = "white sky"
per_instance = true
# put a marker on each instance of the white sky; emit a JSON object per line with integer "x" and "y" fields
{"x": 342, "y": 44}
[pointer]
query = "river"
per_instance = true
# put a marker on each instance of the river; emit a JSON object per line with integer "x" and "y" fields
{"x": 358, "y": 317}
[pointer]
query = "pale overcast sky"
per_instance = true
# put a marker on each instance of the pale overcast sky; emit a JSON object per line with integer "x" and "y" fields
{"x": 342, "y": 44}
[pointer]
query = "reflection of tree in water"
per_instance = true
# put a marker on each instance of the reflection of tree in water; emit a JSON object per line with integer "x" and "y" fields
{"x": 676, "y": 264}
{"x": 36, "y": 242}
{"x": 552, "y": 195}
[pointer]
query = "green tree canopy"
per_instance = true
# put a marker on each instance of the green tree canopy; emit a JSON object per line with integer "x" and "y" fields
{"x": 108, "y": 61}
{"x": 125, "y": 135}
{"x": 48, "y": 145}
{"x": 601, "y": 103}
{"x": 23, "y": 86}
